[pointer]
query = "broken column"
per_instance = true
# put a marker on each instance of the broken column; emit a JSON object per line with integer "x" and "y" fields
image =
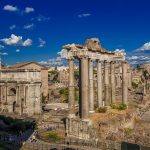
{"x": 71, "y": 97}
{"x": 99, "y": 83}
{"x": 106, "y": 84}
{"x": 84, "y": 112}
{"x": 112, "y": 80}
{"x": 124, "y": 83}
{"x": 91, "y": 87}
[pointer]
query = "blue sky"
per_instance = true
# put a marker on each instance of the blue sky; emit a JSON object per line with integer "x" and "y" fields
{"x": 35, "y": 30}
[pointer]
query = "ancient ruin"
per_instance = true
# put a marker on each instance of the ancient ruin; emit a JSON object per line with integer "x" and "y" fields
{"x": 89, "y": 54}
{"x": 20, "y": 91}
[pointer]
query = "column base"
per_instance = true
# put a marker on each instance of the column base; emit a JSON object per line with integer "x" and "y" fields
{"x": 92, "y": 111}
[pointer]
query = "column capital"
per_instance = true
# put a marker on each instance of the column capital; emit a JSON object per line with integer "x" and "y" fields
{"x": 98, "y": 60}
{"x": 124, "y": 62}
{"x": 71, "y": 58}
{"x": 107, "y": 61}
{"x": 83, "y": 57}
{"x": 91, "y": 59}
{"x": 112, "y": 62}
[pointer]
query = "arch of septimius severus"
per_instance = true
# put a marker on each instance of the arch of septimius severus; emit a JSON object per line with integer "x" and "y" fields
{"x": 105, "y": 61}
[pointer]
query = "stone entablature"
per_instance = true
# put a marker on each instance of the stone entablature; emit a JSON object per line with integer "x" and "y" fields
{"x": 20, "y": 75}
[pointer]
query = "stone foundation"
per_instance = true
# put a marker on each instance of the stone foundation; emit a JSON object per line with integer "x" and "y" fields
{"x": 78, "y": 128}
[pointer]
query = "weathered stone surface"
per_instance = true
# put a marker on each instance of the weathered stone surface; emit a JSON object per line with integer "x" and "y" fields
{"x": 94, "y": 45}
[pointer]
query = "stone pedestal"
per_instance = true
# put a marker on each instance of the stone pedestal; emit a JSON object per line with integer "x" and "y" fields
{"x": 78, "y": 128}
{"x": 99, "y": 83}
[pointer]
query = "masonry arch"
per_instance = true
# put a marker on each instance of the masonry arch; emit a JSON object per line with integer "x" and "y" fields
{"x": 12, "y": 92}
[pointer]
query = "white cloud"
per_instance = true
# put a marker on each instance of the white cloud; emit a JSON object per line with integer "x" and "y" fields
{"x": 2, "y": 47}
{"x": 10, "y": 8}
{"x": 145, "y": 47}
{"x": 119, "y": 50}
{"x": 12, "y": 27}
{"x": 40, "y": 18}
{"x": 13, "y": 40}
{"x": 29, "y": 10}
{"x": 16, "y": 41}
{"x": 58, "y": 61}
{"x": 17, "y": 50}
{"x": 3, "y": 53}
{"x": 41, "y": 42}
{"x": 84, "y": 15}
{"x": 27, "y": 42}
{"x": 132, "y": 57}
{"x": 43, "y": 62}
{"x": 28, "y": 26}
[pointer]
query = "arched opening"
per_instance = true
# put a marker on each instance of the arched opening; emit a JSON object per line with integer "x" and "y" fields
{"x": 12, "y": 92}
{"x": 14, "y": 106}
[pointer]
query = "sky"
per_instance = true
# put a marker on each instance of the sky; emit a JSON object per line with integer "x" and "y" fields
{"x": 36, "y": 30}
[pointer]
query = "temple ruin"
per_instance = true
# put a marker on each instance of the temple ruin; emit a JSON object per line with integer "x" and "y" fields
{"x": 88, "y": 55}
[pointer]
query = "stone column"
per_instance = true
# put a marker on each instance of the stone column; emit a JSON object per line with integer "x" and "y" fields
{"x": 17, "y": 92}
{"x": 99, "y": 83}
{"x": 71, "y": 96}
{"x": 129, "y": 79}
{"x": 6, "y": 92}
{"x": 106, "y": 84}
{"x": 124, "y": 83}
{"x": 91, "y": 87}
{"x": 112, "y": 79}
{"x": 84, "y": 112}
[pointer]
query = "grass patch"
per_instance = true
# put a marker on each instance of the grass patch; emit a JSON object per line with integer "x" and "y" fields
{"x": 127, "y": 130}
{"x": 50, "y": 136}
{"x": 101, "y": 110}
{"x": 118, "y": 106}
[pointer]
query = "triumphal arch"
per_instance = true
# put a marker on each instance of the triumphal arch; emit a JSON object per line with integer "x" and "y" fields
{"x": 89, "y": 54}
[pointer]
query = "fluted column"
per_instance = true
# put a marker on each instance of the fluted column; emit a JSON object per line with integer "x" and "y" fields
{"x": 112, "y": 79}
{"x": 91, "y": 87}
{"x": 71, "y": 96}
{"x": 84, "y": 112}
{"x": 106, "y": 83}
{"x": 124, "y": 83}
{"x": 99, "y": 83}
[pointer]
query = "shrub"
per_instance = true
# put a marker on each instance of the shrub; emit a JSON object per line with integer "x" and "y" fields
{"x": 119, "y": 106}
{"x": 122, "y": 106}
{"x": 128, "y": 130}
{"x": 134, "y": 85}
{"x": 114, "y": 106}
{"x": 53, "y": 72}
{"x": 64, "y": 91}
{"x": 101, "y": 109}
{"x": 53, "y": 136}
